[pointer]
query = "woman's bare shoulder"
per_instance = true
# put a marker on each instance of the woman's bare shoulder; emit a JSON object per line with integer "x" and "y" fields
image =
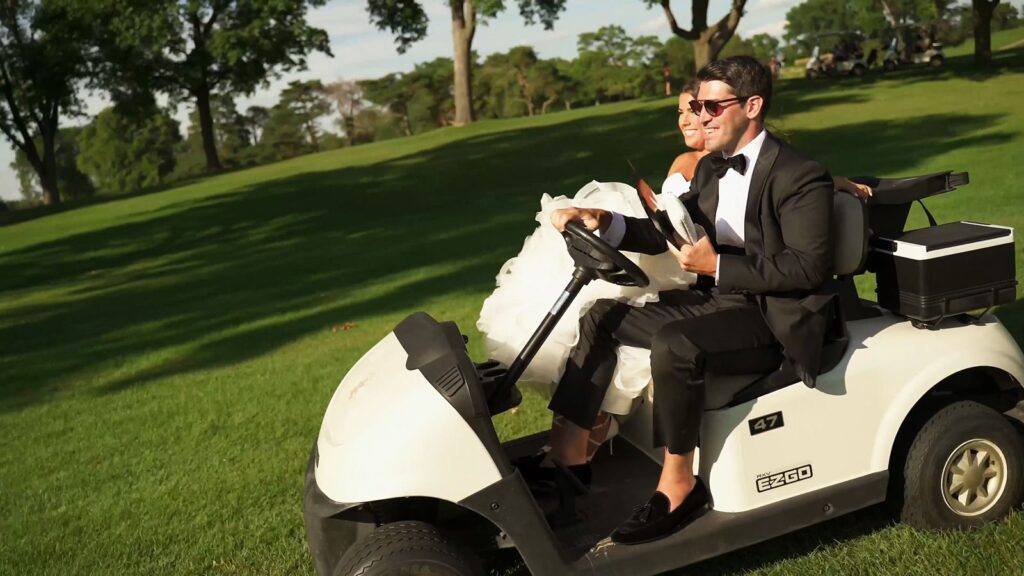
{"x": 685, "y": 164}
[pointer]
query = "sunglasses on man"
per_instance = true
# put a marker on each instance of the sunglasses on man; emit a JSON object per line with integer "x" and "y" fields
{"x": 714, "y": 107}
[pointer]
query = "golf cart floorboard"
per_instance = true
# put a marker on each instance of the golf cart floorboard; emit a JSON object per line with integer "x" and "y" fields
{"x": 623, "y": 478}
{"x": 627, "y": 477}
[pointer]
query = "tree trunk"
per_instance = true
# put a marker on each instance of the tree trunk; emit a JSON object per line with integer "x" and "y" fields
{"x": 47, "y": 167}
{"x": 891, "y": 13}
{"x": 983, "y": 10}
{"x": 524, "y": 89}
{"x": 707, "y": 41}
{"x": 702, "y": 52}
{"x": 202, "y": 94}
{"x": 463, "y": 27}
{"x": 311, "y": 132}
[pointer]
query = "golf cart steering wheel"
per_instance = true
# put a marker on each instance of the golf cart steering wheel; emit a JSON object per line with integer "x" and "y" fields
{"x": 591, "y": 252}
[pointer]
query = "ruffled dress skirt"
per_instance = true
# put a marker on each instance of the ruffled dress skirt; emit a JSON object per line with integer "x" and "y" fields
{"x": 529, "y": 284}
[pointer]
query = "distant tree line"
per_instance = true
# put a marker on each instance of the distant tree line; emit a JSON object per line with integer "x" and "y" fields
{"x": 135, "y": 144}
{"x": 205, "y": 54}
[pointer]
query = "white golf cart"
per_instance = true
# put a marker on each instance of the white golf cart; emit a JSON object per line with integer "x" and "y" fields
{"x": 919, "y": 403}
{"x": 913, "y": 45}
{"x": 845, "y": 59}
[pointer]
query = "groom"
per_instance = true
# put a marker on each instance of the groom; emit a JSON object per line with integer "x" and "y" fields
{"x": 759, "y": 299}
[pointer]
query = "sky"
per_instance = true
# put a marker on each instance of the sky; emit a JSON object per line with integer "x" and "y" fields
{"x": 361, "y": 51}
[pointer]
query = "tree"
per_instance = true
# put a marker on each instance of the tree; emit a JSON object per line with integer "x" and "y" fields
{"x": 128, "y": 150}
{"x": 308, "y": 102}
{"x": 522, "y": 59}
{"x": 811, "y": 17}
{"x": 429, "y": 87}
{"x": 43, "y": 56}
{"x": 71, "y": 182}
{"x": 982, "y": 13}
{"x": 408, "y": 22}
{"x": 348, "y": 98}
{"x": 200, "y": 48}
{"x": 707, "y": 40}
{"x": 256, "y": 118}
{"x": 283, "y": 136}
{"x": 613, "y": 66}
{"x": 765, "y": 46}
{"x": 390, "y": 92}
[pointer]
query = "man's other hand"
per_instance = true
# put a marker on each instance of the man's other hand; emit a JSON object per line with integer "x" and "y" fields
{"x": 700, "y": 258}
{"x": 592, "y": 218}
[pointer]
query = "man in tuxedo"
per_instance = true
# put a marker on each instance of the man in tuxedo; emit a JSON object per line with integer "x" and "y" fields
{"x": 759, "y": 299}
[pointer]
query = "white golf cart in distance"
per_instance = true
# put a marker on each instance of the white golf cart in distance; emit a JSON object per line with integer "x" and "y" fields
{"x": 920, "y": 404}
{"x": 845, "y": 59}
{"x": 912, "y": 45}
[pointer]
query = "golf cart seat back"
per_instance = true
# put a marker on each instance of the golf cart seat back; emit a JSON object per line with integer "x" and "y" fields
{"x": 850, "y": 226}
{"x": 855, "y": 224}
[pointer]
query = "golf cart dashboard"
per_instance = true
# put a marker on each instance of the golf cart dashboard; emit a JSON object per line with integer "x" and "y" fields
{"x": 438, "y": 351}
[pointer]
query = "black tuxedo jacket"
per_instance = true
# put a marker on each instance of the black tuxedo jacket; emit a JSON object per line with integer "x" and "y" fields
{"x": 786, "y": 260}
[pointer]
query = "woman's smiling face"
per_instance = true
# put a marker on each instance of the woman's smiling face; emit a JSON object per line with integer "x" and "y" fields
{"x": 689, "y": 123}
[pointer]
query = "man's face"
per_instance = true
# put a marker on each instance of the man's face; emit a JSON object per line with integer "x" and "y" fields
{"x": 723, "y": 132}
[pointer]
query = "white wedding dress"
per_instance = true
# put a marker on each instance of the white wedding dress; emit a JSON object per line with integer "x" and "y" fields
{"x": 529, "y": 284}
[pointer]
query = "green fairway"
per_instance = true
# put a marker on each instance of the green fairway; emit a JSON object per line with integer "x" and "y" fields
{"x": 165, "y": 359}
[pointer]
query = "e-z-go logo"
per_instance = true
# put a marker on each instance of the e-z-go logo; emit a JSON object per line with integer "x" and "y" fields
{"x": 771, "y": 481}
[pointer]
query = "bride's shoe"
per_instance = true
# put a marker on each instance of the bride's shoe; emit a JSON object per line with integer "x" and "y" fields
{"x": 603, "y": 431}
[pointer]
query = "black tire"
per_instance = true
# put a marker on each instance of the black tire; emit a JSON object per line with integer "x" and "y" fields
{"x": 889, "y": 65}
{"x": 958, "y": 430}
{"x": 858, "y": 70}
{"x": 407, "y": 548}
{"x": 936, "y": 61}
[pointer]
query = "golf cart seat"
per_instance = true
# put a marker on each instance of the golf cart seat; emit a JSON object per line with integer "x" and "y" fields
{"x": 851, "y": 236}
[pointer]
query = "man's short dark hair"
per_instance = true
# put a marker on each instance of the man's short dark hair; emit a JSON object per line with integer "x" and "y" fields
{"x": 745, "y": 75}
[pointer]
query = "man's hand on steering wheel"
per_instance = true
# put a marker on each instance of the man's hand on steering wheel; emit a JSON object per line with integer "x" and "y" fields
{"x": 592, "y": 218}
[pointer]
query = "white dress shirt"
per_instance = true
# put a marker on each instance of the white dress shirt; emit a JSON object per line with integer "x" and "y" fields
{"x": 733, "y": 189}
{"x": 730, "y": 218}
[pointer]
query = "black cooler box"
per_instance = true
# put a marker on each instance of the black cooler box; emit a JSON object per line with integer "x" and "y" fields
{"x": 934, "y": 272}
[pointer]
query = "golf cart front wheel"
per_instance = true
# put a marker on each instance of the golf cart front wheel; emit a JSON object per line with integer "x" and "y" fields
{"x": 965, "y": 468}
{"x": 407, "y": 548}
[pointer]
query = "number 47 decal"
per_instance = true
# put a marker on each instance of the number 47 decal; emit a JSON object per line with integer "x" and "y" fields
{"x": 765, "y": 423}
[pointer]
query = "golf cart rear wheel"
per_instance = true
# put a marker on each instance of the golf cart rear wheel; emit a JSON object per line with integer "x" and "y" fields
{"x": 965, "y": 468}
{"x": 407, "y": 548}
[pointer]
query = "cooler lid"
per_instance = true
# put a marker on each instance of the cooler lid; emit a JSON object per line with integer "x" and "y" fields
{"x": 945, "y": 240}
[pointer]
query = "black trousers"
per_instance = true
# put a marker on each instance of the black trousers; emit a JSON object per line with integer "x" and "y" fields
{"x": 689, "y": 333}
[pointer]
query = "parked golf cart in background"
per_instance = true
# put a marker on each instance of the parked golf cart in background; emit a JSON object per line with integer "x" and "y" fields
{"x": 845, "y": 59}
{"x": 911, "y": 45}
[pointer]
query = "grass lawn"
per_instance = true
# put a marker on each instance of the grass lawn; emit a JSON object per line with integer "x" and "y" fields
{"x": 165, "y": 359}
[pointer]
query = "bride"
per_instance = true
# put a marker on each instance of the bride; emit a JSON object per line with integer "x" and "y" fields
{"x": 528, "y": 284}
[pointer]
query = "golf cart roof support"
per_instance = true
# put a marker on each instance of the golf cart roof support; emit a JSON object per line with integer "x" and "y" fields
{"x": 580, "y": 278}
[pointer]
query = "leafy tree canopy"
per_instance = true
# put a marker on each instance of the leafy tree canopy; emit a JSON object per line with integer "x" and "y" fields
{"x": 125, "y": 151}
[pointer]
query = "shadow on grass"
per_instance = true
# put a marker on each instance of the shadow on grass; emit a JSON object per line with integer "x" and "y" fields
{"x": 220, "y": 280}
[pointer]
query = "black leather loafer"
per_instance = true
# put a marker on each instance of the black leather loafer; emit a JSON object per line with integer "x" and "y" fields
{"x": 653, "y": 520}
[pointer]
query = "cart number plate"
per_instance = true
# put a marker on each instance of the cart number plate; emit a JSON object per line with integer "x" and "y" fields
{"x": 765, "y": 423}
{"x": 767, "y": 482}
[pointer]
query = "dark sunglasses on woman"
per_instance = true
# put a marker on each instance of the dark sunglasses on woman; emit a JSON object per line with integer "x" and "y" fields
{"x": 715, "y": 107}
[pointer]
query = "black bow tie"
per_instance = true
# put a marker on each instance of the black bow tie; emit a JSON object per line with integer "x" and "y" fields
{"x": 721, "y": 164}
